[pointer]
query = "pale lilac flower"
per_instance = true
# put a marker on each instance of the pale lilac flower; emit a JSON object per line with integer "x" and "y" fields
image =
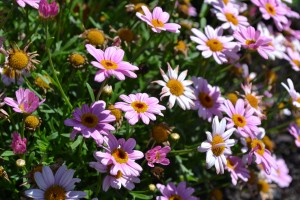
{"x": 294, "y": 59}
{"x": 110, "y": 62}
{"x": 114, "y": 181}
{"x": 27, "y": 101}
{"x": 158, "y": 155}
{"x": 60, "y": 185}
{"x": 91, "y": 121}
{"x": 217, "y": 146}
{"x": 170, "y": 191}
{"x": 294, "y": 130}
{"x": 280, "y": 176}
{"x": 272, "y": 9}
{"x": 119, "y": 154}
{"x": 230, "y": 16}
{"x": 177, "y": 88}
{"x": 32, "y": 3}
{"x": 237, "y": 169}
{"x": 18, "y": 144}
{"x": 140, "y": 106}
{"x": 212, "y": 43}
{"x": 209, "y": 99}
{"x": 252, "y": 39}
{"x": 157, "y": 20}
{"x": 241, "y": 118}
{"x": 293, "y": 93}
{"x": 47, "y": 10}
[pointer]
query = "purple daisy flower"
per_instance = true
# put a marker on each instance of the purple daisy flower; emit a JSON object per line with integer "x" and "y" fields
{"x": 237, "y": 169}
{"x": 158, "y": 155}
{"x": 170, "y": 191}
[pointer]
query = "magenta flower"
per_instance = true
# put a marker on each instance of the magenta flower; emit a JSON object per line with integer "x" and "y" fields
{"x": 212, "y": 43}
{"x": 120, "y": 156}
{"x": 252, "y": 39}
{"x": 237, "y": 169}
{"x": 110, "y": 63}
{"x": 18, "y": 144}
{"x": 32, "y": 3}
{"x": 27, "y": 102}
{"x": 140, "y": 106}
{"x": 241, "y": 118}
{"x": 92, "y": 121}
{"x": 158, "y": 20}
{"x": 47, "y": 10}
{"x": 281, "y": 175}
{"x": 158, "y": 155}
{"x": 272, "y": 9}
{"x": 294, "y": 130}
{"x": 170, "y": 191}
{"x": 209, "y": 99}
{"x": 114, "y": 181}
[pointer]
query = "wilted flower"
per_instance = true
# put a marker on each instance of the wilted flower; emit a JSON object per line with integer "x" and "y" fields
{"x": 18, "y": 144}
{"x": 94, "y": 37}
{"x": 77, "y": 60}
{"x": 158, "y": 155}
{"x": 32, "y": 122}
{"x": 170, "y": 191}
{"x": 58, "y": 186}
{"x": 48, "y": 11}
{"x": 158, "y": 20}
{"x": 32, "y": 3}
{"x": 27, "y": 101}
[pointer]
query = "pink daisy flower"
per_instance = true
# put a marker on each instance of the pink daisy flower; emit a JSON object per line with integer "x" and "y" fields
{"x": 293, "y": 93}
{"x": 209, "y": 99}
{"x": 252, "y": 99}
{"x": 114, "y": 181}
{"x": 27, "y": 102}
{"x": 212, "y": 43}
{"x": 158, "y": 155}
{"x": 18, "y": 144}
{"x": 252, "y": 39}
{"x": 170, "y": 191}
{"x": 272, "y": 9}
{"x": 91, "y": 121}
{"x": 241, "y": 118}
{"x": 230, "y": 16}
{"x": 157, "y": 20}
{"x": 48, "y": 10}
{"x": 217, "y": 146}
{"x": 294, "y": 59}
{"x": 177, "y": 88}
{"x": 294, "y": 130}
{"x": 237, "y": 169}
{"x": 110, "y": 63}
{"x": 140, "y": 106}
{"x": 280, "y": 176}
{"x": 120, "y": 156}
{"x": 32, "y": 3}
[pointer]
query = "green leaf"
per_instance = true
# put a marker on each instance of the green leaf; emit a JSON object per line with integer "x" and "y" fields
{"x": 140, "y": 196}
{"x": 91, "y": 92}
{"x": 7, "y": 153}
{"x": 76, "y": 143}
{"x": 52, "y": 136}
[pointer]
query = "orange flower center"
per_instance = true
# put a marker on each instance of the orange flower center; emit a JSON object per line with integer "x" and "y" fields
{"x": 253, "y": 101}
{"x": 95, "y": 37}
{"x": 176, "y": 87}
{"x": 255, "y": 143}
{"x": 120, "y": 156}
{"x": 205, "y": 100}
{"x": 263, "y": 186}
{"x": 230, "y": 164}
{"x": 296, "y": 62}
{"x": 232, "y": 18}
{"x": 270, "y": 9}
{"x": 175, "y": 197}
{"x": 157, "y": 23}
{"x": 217, "y": 150}
{"x": 215, "y": 45}
{"x": 139, "y": 106}
{"x": 119, "y": 174}
{"x": 239, "y": 120}
{"x": 18, "y": 59}
{"x": 89, "y": 120}
{"x": 109, "y": 65}
{"x": 55, "y": 192}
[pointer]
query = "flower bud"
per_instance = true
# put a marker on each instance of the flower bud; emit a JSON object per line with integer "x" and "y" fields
{"x": 20, "y": 163}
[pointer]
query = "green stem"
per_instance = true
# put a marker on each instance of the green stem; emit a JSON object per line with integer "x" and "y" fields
{"x": 54, "y": 72}
{"x": 99, "y": 184}
{"x": 185, "y": 151}
{"x": 101, "y": 89}
{"x": 22, "y": 128}
{"x": 141, "y": 49}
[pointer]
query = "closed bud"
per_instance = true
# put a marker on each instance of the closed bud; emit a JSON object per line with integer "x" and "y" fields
{"x": 175, "y": 136}
{"x": 20, "y": 163}
{"x": 107, "y": 90}
{"x": 152, "y": 187}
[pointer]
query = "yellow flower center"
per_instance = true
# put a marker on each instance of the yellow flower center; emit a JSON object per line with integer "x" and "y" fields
{"x": 232, "y": 18}
{"x": 214, "y": 45}
{"x": 232, "y": 97}
{"x": 126, "y": 34}
{"x": 42, "y": 82}
{"x": 270, "y": 9}
{"x": 89, "y": 120}
{"x": 120, "y": 156}
{"x": 160, "y": 133}
{"x": 253, "y": 101}
{"x": 263, "y": 186}
{"x": 298, "y": 100}
{"x": 205, "y": 100}
{"x": 176, "y": 87}
{"x": 32, "y": 121}
{"x": 55, "y": 192}
{"x": 230, "y": 164}
{"x": 76, "y": 59}
{"x": 216, "y": 194}
{"x": 239, "y": 120}
{"x": 157, "y": 23}
{"x": 226, "y": 1}
{"x": 119, "y": 174}
{"x": 115, "y": 112}
{"x": 255, "y": 143}
{"x": 268, "y": 143}
{"x": 95, "y": 37}
{"x": 109, "y": 65}
{"x": 248, "y": 42}
{"x": 217, "y": 150}
{"x": 139, "y": 106}
{"x": 21, "y": 106}
{"x": 18, "y": 59}
{"x": 181, "y": 46}
{"x": 296, "y": 62}
{"x": 175, "y": 197}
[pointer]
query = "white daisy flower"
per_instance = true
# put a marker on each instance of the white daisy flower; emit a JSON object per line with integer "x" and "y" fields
{"x": 177, "y": 88}
{"x": 217, "y": 146}
{"x": 293, "y": 93}
{"x": 58, "y": 186}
